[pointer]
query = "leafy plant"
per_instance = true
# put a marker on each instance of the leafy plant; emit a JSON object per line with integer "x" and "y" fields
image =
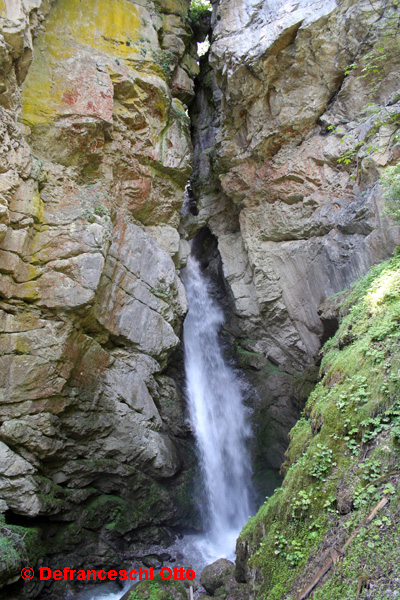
{"x": 390, "y": 181}
{"x": 350, "y": 155}
{"x": 301, "y": 503}
{"x": 292, "y": 552}
{"x": 163, "y": 59}
{"x": 198, "y": 9}
{"x": 322, "y": 463}
{"x": 99, "y": 209}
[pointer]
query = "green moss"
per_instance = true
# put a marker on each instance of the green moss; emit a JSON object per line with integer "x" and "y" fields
{"x": 346, "y": 444}
{"x": 372, "y": 551}
{"x": 9, "y": 555}
{"x": 300, "y": 436}
{"x": 19, "y": 546}
{"x": 159, "y": 589}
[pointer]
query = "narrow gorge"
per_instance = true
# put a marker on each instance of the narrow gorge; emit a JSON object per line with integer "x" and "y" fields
{"x": 246, "y": 150}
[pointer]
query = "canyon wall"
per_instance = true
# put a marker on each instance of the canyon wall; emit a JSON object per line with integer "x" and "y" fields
{"x": 291, "y": 135}
{"x": 95, "y": 155}
{"x": 96, "y": 151}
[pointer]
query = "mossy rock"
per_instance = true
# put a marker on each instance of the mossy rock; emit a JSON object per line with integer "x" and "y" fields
{"x": 158, "y": 589}
{"x": 343, "y": 457}
{"x": 19, "y": 547}
{"x": 216, "y": 575}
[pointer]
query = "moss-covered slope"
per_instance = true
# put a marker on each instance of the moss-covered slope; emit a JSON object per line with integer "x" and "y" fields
{"x": 344, "y": 457}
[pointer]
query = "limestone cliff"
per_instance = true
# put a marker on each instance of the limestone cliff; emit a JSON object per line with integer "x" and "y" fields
{"x": 95, "y": 156}
{"x": 286, "y": 178}
{"x": 96, "y": 151}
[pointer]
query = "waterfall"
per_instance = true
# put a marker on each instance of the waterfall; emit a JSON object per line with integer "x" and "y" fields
{"x": 221, "y": 429}
{"x": 218, "y": 420}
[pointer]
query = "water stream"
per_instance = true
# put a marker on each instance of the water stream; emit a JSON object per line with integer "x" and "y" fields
{"x": 218, "y": 418}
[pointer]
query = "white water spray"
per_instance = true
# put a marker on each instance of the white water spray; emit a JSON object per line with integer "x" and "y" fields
{"x": 218, "y": 419}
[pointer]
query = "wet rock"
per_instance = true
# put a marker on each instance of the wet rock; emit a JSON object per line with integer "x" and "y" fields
{"x": 216, "y": 575}
{"x": 166, "y": 557}
{"x": 153, "y": 560}
{"x": 293, "y": 226}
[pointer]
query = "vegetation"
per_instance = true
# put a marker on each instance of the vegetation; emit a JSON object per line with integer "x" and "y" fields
{"x": 159, "y": 589}
{"x": 391, "y": 184}
{"x": 93, "y": 203}
{"x": 198, "y": 10}
{"x": 163, "y": 59}
{"x": 19, "y": 546}
{"x": 343, "y": 458}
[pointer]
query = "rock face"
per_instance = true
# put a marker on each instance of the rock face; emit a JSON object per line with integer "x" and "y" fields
{"x": 95, "y": 155}
{"x": 92, "y": 180}
{"x": 286, "y": 178}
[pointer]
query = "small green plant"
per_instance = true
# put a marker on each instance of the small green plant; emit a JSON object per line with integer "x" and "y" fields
{"x": 352, "y": 445}
{"x": 301, "y": 504}
{"x": 396, "y": 434}
{"x": 373, "y": 426}
{"x": 322, "y": 463}
{"x": 370, "y": 469}
{"x": 390, "y": 181}
{"x": 198, "y": 9}
{"x": 98, "y": 210}
{"x": 350, "y": 68}
{"x": 163, "y": 59}
{"x": 157, "y": 292}
{"x": 328, "y": 504}
{"x": 295, "y": 553}
{"x": 292, "y": 552}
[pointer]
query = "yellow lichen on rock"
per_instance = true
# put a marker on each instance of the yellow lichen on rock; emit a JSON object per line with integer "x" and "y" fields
{"x": 37, "y": 207}
{"x": 108, "y": 25}
{"x": 60, "y": 80}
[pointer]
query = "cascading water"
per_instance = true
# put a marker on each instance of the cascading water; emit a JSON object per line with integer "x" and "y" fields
{"x": 218, "y": 419}
{"x": 221, "y": 429}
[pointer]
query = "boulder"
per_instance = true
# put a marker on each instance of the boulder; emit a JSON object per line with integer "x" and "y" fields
{"x": 217, "y": 575}
{"x": 152, "y": 561}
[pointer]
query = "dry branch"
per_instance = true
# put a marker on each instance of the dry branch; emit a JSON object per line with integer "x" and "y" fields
{"x": 306, "y": 591}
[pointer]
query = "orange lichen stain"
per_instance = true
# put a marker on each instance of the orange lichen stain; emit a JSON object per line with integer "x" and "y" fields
{"x": 70, "y": 97}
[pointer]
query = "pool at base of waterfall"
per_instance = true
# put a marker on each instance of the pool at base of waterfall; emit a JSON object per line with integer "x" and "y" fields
{"x": 106, "y": 591}
{"x": 192, "y": 551}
